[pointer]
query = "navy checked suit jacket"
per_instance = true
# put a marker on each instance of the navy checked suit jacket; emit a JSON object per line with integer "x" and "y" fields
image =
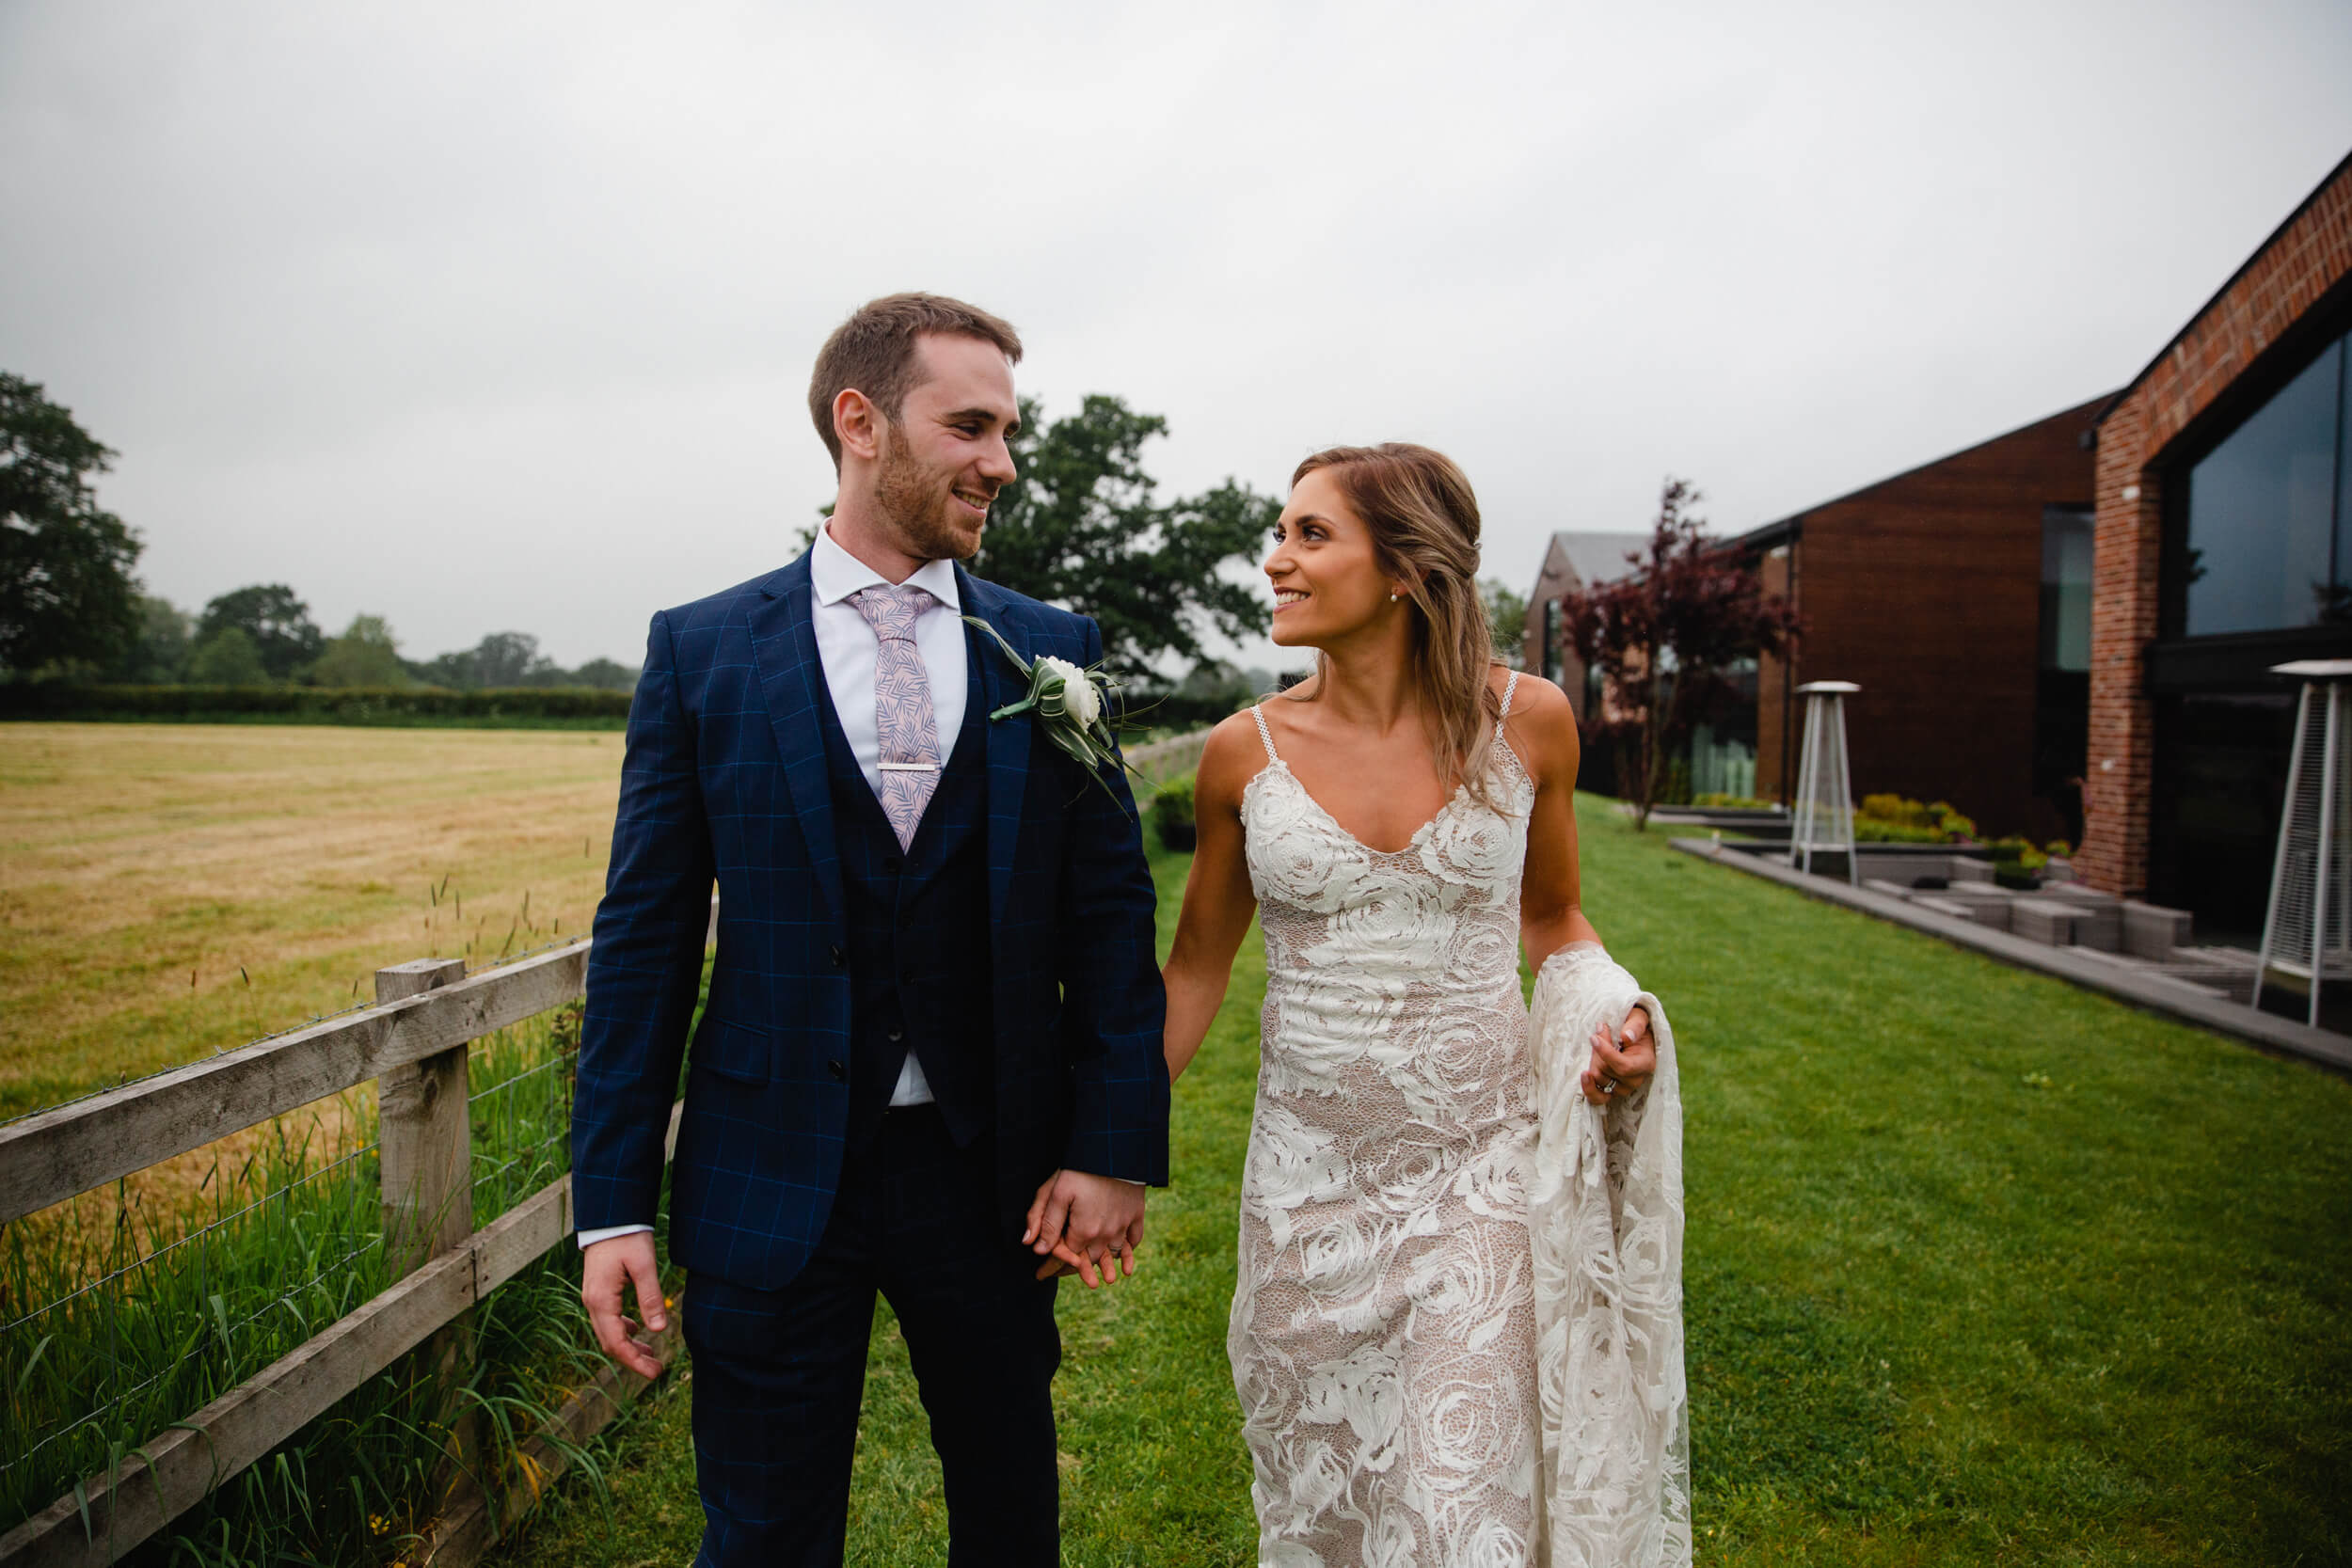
{"x": 725, "y": 781}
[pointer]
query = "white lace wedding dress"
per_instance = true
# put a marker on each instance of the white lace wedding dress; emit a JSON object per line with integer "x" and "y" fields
{"x": 1385, "y": 1333}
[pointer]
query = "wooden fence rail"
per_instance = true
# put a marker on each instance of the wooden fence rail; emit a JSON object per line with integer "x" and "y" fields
{"x": 414, "y": 1042}
{"x": 1161, "y": 760}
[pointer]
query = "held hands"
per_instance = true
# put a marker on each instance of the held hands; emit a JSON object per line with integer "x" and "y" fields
{"x": 1090, "y": 1226}
{"x": 604, "y": 1269}
{"x": 1621, "y": 1067}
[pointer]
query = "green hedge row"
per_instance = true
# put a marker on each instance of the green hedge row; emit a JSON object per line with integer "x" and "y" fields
{"x": 312, "y": 703}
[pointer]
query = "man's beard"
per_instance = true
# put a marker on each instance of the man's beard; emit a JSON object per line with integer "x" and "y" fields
{"x": 917, "y": 506}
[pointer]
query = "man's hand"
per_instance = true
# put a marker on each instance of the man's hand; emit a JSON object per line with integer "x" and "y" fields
{"x": 1090, "y": 1225}
{"x": 604, "y": 1269}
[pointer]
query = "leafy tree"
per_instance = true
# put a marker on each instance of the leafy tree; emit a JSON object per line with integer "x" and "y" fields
{"x": 1662, "y": 637}
{"x": 277, "y": 625}
{"x": 453, "y": 671}
{"x": 365, "y": 655}
{"x": 500, "y": 660}
{"x": 511, "y": 659}
{"x": 1506, "y": 616}
{"x": 604, "y": 674}
{"x": 158, "y": 656}
{"x": 1082, "y": 527}
{"x": 66, "y": 591}
{"x": 228, "y": 658}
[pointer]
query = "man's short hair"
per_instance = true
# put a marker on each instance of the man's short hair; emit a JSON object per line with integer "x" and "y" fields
{"x": 874, "y": 351}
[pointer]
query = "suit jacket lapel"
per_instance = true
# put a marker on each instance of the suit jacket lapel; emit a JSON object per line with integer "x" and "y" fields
{"x": 792, "y": 677}
{"x": 1008, "y": 738}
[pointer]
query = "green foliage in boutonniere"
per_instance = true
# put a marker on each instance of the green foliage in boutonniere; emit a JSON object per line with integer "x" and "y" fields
{"x": 1071, "y": 706}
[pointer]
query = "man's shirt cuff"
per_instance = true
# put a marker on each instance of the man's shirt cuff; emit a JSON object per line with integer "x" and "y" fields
{"x": 590, "y": 1238}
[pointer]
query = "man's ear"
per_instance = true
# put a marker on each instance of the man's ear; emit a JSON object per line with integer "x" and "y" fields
{"x": 857, "y": 423}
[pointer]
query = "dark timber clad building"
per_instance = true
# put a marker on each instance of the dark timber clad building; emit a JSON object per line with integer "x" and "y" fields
{"x": 1957, "y": 595}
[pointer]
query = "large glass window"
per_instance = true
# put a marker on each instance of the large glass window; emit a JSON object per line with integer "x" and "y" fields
{"x": 2066, "y": 559}
{"x": 2269, "y": 526}
{"x": 2061, "y": 709}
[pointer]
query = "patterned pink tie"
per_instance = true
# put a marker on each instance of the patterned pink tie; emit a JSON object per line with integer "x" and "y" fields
{"x": 903, "y": 720}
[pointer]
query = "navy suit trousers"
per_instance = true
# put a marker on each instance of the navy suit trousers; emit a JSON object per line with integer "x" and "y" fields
{"x": 779, "y": 1374}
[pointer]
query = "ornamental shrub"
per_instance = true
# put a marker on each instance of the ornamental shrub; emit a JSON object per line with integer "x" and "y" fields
{"x": 1172, "y": 812}
{"x": 1894, "y": 819}
{"x": 2018, "y": 850}
{"x": 1172, "y": 805}
{"x": 1895, "y": 811}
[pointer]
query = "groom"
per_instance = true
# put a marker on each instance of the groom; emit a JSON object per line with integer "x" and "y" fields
{"x": 934, "y": 1002}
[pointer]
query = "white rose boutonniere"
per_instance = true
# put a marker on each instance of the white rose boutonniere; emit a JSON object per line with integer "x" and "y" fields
{"x": 1071, "y": 704}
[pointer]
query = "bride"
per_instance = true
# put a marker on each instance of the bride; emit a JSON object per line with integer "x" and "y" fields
{"x": 1402, "y": 821}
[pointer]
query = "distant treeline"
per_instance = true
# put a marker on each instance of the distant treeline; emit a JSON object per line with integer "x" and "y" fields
{"x": 1168, "y": 711}
{"x": 526, "y": 706}
{"x": 263, "y": 635}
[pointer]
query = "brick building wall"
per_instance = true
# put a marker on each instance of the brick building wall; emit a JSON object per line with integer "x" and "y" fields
{"x": 1926, "y": 590}
{"x": 2149, "y": 421}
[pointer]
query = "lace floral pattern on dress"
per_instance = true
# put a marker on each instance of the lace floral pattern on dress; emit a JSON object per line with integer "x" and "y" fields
{"x": 1383, "y": 1333}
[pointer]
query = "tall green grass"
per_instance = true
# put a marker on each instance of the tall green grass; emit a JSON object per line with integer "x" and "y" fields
{"x": 118, "y": 1320}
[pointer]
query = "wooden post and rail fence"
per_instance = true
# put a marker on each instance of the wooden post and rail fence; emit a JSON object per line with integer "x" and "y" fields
{"x": 413, "y": 1043}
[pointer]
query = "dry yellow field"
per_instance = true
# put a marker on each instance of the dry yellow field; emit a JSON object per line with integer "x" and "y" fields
{"x": 168, "y": 890}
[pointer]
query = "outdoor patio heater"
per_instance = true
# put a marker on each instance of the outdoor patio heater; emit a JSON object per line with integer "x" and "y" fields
{"x": 1822, "y": 819}
{"x": 2304, "y": 934}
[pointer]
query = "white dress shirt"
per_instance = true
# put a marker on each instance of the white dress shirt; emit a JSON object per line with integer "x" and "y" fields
{"x": 848, "y": 649}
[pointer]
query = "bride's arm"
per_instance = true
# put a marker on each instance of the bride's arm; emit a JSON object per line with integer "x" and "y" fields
{"x": 1542, "y": 728}
{"x": 1551, "y": 896}
{"x": 1217, "y": 897}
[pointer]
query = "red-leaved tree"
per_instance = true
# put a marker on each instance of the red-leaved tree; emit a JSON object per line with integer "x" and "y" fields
{"x": 1662, "y": 637}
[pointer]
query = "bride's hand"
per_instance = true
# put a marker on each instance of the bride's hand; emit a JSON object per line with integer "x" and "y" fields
{"x": 1620, "y": 1067}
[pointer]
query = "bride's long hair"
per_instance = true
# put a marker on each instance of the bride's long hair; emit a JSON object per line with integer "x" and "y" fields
{"x": 1424, "y": 518}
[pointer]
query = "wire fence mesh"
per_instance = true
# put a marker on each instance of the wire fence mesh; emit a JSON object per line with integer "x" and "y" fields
{"x": 123, "y": 1312}
{"x": 192, "y": 1293}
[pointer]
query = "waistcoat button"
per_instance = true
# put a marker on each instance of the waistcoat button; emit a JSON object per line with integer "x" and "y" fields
{"x": 840, "y": 1073}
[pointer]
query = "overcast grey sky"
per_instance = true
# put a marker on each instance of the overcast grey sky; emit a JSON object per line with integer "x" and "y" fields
{"x": 487, "y": 316}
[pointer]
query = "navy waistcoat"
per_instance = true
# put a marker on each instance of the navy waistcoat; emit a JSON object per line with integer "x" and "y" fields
{"x": 917, "y": 924}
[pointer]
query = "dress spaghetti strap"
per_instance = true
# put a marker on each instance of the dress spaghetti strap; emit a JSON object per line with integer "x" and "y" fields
{"x": 1257, "y": 711}
{"x": 1508, "y": 687}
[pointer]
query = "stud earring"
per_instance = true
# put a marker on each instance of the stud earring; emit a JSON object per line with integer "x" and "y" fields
{"x": 1392, "y": 598}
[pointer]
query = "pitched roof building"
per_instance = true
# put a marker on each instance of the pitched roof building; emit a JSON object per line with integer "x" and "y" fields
{"x": 1571, "y": 561}
{"x": 1956, "y": 594}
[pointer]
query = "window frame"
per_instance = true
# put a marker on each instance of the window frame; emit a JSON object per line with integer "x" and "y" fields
{"x": 2295, "y": 352}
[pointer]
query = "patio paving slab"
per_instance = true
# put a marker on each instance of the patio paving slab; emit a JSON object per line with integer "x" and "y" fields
{"x": 2139, "y": 984}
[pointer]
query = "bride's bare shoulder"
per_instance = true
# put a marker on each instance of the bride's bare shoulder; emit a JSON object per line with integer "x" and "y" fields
{"x": 1541, "y": 725}
{"x": 1533, "y": 698}
{"x": 1230, "y": 758}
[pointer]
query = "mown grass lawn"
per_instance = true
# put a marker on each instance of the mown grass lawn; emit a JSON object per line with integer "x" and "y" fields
{"x": 1981, "y": 1269}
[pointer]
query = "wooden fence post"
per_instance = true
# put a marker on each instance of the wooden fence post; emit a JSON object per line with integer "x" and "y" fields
{"x": 424, "y": 1146}
{"x": 425, "y": 1163}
